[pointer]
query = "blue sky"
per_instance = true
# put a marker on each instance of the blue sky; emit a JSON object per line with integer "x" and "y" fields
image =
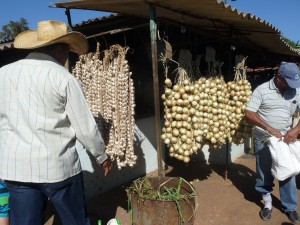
{"x": 283, "y": 14}
{"x": 37, "y": 10}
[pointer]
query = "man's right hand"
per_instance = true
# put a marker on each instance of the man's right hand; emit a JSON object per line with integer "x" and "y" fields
{"x": 275, "y": 133}
{"x": 107, "y": 165}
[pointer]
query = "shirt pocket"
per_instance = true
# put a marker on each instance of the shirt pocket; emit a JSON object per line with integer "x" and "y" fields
{"x": 293, "y": 105}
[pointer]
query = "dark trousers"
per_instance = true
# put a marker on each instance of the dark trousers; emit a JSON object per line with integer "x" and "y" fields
{"x": 28, "y": 201}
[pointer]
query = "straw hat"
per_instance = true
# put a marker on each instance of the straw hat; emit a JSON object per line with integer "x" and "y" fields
{"x": 51, "y": 32}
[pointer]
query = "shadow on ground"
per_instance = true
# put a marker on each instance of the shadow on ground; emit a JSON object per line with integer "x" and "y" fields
{"x": 240, "y": 176}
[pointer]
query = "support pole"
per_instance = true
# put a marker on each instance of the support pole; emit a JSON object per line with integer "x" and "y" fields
{"x": 227, "y": 159}
{"x": 67, "y": 12}
{"x": 153, "y": 32}
{"x": 228, "y": 145}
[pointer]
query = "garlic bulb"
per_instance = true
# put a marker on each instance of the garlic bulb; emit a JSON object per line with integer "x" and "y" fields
{"x": 109, "y": 91}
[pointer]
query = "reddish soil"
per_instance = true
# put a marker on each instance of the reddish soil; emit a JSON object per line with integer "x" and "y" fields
{"x": 226, "y": 196}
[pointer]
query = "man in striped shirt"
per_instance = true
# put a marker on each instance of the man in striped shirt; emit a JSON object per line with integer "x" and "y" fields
{"x": 43, "y": 112}
{"x": 271, "y": 109}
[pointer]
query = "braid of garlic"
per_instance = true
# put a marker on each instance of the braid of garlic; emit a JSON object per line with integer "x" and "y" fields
{"x": 109, "y": 90}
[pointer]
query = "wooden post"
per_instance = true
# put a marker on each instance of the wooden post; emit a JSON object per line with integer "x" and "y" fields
{"x": 153, "y": 33}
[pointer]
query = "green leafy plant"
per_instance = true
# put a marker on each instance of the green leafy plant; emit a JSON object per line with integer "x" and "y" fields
{"x": 143, "y": 190}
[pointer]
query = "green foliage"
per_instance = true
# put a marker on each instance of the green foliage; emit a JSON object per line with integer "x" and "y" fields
{"x": 143, "y": 189}
{"x": 13, "y": 28}
{"x": 292, "y": 43}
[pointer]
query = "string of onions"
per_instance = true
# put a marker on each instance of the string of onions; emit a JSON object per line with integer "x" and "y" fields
{"x": 240, "y": 93}
{"x": 207, "y": 110}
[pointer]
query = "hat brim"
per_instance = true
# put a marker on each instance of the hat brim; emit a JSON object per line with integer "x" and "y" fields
{"x": 76, "y": 41}
{"x": 293, "y": 83}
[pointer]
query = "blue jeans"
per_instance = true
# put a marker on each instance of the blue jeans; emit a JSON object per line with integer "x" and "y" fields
{"x": 265, "y": 179}
{"x": 28, "y": 201}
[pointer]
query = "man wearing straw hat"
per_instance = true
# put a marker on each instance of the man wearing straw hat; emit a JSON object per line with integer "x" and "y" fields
{"x": 42, "y": 113}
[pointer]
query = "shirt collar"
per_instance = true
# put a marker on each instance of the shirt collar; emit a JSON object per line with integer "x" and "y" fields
{"x": 41, "y": 56}
{"x": 272, "y": 84}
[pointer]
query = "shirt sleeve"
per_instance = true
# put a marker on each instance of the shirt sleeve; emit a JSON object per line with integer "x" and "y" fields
{"x": 83, "y": 122}
{"x": 255, "y": 101}
{"x": 298, "y": 100}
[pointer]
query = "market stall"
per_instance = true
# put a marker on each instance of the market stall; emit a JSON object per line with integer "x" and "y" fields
{"x": 210, "y": 19}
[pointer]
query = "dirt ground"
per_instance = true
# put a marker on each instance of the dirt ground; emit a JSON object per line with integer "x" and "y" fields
{"x": 225, "y": 196}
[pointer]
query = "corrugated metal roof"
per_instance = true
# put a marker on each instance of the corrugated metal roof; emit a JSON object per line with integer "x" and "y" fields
{"x": 6, "y": 44}
{"x": 211, "y": 15}
{"x": 95, "y": 20}
{"x": 9, "y": 43}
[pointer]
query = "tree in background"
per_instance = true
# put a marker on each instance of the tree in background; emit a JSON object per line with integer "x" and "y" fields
{"x": 12, "y": 29}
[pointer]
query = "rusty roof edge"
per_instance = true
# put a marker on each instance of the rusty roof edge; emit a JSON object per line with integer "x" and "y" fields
{"x": 258, "y": 19}
{"x": 94, "y": 20}
{"x": 6, "y": 45}
{"x": 220, "y": 3}
{"x": 288, "y": 45}
{"x": 245, "y": 15}
{"x": 7, "y": 40}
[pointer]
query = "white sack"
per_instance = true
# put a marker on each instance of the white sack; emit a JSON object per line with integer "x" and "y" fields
{"x": 285, "y": 158}
{"x": 114, "y": 222}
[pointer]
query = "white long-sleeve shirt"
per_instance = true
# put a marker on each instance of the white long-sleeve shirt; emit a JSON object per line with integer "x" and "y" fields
{"x": 42, "y": 113}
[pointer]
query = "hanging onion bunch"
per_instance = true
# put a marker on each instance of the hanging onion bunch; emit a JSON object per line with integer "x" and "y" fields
{"x": 109, "y": 90}
{"x": 205, "y": 111}
{"x": 240, "y": 93}
{"x": 214, "y": 99}
{"x": 243, "y": 131}
{"x": 180, "y": 125}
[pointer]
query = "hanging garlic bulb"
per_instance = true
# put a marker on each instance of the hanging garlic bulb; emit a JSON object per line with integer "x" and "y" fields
{"x": 109, "y": 90}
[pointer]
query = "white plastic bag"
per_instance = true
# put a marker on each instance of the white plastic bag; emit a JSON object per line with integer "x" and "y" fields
{"x": 114, "y": 222}
{"x": 285, "y": 158}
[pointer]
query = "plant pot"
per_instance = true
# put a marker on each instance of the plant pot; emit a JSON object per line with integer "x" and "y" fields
{"x": 147, "y": 211}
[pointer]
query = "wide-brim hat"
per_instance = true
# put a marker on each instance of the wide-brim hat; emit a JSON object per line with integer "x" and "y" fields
{"x": 51, "y": 32}
{"x": 290, "y": 71}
